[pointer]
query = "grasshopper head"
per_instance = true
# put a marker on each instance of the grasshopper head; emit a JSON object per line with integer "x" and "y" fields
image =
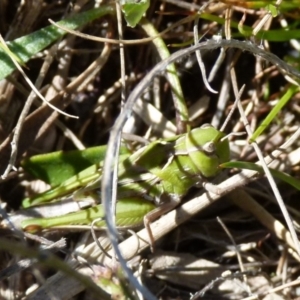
{"x": 207, "y": 150}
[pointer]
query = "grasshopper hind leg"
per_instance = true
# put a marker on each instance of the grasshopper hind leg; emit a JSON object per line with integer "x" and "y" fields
{"x": 155, "y": 214}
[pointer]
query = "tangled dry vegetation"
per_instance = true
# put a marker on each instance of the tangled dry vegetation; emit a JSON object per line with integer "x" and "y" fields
{"x": 233, "y": 244}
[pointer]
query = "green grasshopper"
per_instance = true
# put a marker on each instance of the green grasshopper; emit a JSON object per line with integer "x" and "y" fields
{"x": 161, "y": 171}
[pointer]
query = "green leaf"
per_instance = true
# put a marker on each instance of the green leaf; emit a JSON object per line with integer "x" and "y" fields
{"x": 272, "y": 9}
{"x": 133, "y": 10}
{"x": 27, "y": 46}
{"x": 254, "y": 167}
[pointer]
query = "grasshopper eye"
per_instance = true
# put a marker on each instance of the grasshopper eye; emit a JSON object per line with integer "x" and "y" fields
{"x": 209, "y": 148}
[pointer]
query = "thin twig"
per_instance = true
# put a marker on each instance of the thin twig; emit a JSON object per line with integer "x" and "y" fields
{"x": 237, "y": 251}
{"x": 14, "y": 143}
{"x": 198, "y": 53}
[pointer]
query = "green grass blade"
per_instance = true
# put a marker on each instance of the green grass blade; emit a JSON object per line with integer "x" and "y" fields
{"x": 27, "y": 46}
{"x": 254, "y": 167}
{"x": 276, "y": 109}
{"x": 172, "y": 74}
{"x": 274, "y": 35}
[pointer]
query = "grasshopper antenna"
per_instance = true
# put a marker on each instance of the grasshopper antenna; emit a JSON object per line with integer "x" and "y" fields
{"x": 232, "y": 134}
{"x": 236, "y": 101}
